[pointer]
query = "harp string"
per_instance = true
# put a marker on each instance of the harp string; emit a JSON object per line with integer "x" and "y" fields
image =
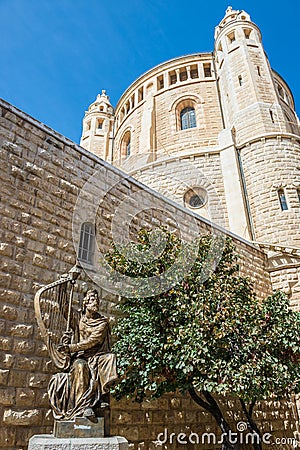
{"x": 53, "y": 306}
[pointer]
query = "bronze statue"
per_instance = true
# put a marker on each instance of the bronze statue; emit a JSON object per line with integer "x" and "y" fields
{"x": 83, "y": 353}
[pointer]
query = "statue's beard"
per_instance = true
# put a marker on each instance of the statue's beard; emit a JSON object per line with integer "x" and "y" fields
{"x": 93, "y": 309}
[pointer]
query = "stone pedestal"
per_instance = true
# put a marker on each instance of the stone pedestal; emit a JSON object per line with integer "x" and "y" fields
{"x": 80, "y": 427}
{"x": 49, "y": 442}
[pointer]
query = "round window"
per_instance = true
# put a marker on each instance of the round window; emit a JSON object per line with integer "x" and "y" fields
{"x": 195, "y": 197}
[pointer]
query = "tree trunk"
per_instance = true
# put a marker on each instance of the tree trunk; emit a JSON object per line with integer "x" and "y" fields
{"x": 210, "y": 405}
{"x": 251, "y": 424}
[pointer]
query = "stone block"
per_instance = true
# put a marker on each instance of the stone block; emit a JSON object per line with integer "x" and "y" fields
{"x": 38, "y": 380}
{"x": 121, "y": 417}
{"x": 6, "y": 249}
{"x": 22, "y": 418}
{"x": 5, "y": 344}
{"x": 25, "y": 397}
{"x": 7, "y": 396}
{"x": 6, "y": 360}
{"x": 21, "y": 330}
{"x": 27, "y": 363}
{"x": 4, "y": 376}
{"x": 49, "y": 442}
{"x": 24, "y": 347}
{"x": 7, "y": 437}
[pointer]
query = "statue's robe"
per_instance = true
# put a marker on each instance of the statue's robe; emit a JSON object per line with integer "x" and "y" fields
{"x": 92, "y": 371}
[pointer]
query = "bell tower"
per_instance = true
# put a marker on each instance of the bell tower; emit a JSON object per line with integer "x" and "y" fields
{"x": 97, "y": 134}
{"x": 260, "y": 119}
{"x": 250, "y": 95}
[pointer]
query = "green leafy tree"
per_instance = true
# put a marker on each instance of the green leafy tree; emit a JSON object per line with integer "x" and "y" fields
{"x": 204, "y": 338}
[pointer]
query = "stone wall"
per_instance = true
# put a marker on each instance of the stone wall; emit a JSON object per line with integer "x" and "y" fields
{"x": 42, "y": 177}
{"x": 173, "y": 177}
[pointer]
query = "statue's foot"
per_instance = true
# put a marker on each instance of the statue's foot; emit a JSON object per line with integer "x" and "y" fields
{"x": 89, "y": 414}
{"x": 104, "y": 405}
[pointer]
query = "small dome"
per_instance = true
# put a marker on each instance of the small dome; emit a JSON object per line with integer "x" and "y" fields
{"x": 232, "y": 15}
{"x": 101, "y": 104}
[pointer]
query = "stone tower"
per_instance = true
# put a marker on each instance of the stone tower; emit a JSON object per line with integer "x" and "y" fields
{"x": 98, "y": 122}
{"x": 255, "y": 99}
{"x": 259, "y": 109}
{"x": 218, "y": 133}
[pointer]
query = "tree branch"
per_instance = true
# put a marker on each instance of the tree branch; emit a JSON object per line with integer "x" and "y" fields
{"x": 199, "y": 400}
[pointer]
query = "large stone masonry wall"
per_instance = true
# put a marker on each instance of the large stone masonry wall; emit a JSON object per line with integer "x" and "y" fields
{"x": 173, "y": 177}
{"x": 42, "y": 175}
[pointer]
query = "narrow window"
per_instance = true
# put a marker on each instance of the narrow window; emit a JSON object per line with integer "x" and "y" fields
{"x": 141, "y": 94}
{"x": 88, "y": 126}
{"x": 183, "y": 75}
{"x": 282, "y": 200}
{"x": 160, "y": 82}
{"x": 272, "y": 116}
{"x": 247, "y": 33}
{"x": 127, "y": 106}
{"x": 187, "y": 118}
{"x": 231, "y": 37}
{"x": 87, "y": 243}
{"x": 194, "y": 72}
{"x": 298, "y": 193}
{"x": 173, "y": 77}
{"x": 240, "y": 80}
{"x": 207, "y": 69}
{"x": 258, "y": 71}
{"x": 132, "y": 101}
{"x": 100, "y": 124}
{"x": 280, "y": 91}
{"x": 101, "y": 108}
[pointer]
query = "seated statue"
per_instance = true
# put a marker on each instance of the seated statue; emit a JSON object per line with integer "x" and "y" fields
{"x": 82, "y": 390}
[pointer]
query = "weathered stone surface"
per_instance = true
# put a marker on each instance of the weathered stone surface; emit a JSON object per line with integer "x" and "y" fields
{"x": 48, "y": 442}
{"x": 38, "y": 380}
{"x": 7, "y": 396}
{"x": 4, "y": 376}
{"x": 25, "y": 397}
{"x": 21, "y": 330}
{"x": 22, "y": 418}
{"x": 7, "y": 437}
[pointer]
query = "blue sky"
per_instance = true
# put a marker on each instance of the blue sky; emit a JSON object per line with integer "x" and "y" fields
{"x": 56, "y": 55}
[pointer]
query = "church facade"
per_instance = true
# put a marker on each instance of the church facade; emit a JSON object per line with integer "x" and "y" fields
{"x": 218, "y": 133}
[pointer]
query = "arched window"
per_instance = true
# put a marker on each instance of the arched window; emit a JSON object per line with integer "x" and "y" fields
{"x": 126, "y": 144}
{"x": 187, "y": 118}
{"x": 87, "y": 243}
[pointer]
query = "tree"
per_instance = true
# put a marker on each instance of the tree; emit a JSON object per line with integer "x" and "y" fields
{"x": 206, "y": 335}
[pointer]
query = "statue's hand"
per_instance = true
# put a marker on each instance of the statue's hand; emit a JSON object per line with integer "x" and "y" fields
{"x": 67, "y": 337}
{"x": 65, "y": 349}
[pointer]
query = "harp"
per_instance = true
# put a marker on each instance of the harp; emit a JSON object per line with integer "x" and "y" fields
{"x": 53, "y": 309}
